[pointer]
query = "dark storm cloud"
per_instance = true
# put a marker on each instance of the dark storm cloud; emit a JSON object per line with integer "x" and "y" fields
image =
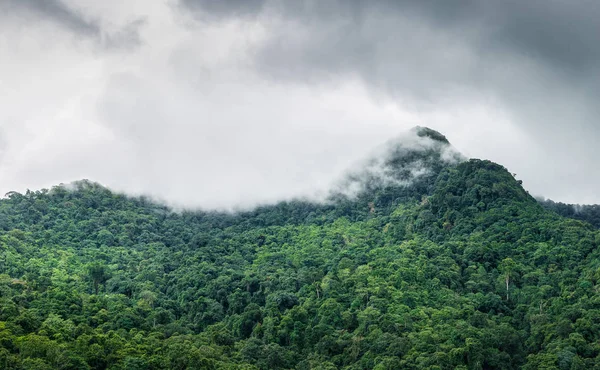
{"x": 538, "y": 60}
{"x": 61, "y": 14}
{"x": 559, "y": 34}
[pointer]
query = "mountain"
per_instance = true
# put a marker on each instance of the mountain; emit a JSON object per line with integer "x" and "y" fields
{"x": 420, "y": 259}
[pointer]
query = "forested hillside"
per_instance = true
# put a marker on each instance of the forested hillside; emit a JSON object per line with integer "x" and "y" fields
{"x": 433, "y": 263}
{"x": 584, "y": 212}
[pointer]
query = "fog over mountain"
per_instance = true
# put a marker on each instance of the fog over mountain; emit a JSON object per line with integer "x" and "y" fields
{"x": 238, "y": 103}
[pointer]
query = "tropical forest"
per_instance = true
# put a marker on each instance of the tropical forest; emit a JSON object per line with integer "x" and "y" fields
{"x": 419, "y": 259}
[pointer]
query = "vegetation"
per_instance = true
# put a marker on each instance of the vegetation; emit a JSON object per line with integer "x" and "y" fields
{"x": 587, "y": 213}
{"x": 462, "y": 269}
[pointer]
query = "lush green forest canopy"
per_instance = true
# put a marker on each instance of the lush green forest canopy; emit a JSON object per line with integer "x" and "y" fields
{"x": 583, "y": 212}
{"x": 451, "y": 267}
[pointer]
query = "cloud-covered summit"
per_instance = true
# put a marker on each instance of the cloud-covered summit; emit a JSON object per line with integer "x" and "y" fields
{"x": 413, "y": 156}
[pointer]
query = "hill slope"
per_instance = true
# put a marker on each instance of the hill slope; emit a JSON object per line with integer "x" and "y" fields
{"x": 584, "y": 212}
{"x": 455, "y": 266}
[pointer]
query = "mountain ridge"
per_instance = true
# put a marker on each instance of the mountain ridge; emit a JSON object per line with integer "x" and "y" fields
{"x": 459, "y": 269}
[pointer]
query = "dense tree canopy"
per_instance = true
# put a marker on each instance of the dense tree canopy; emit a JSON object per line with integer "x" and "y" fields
{"x": 583, "y": 212}
{"x": 462, "y": 269}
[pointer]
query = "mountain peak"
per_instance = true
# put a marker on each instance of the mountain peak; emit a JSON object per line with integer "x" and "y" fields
{"x": 404, "y": 167}
{"x": 432, "y": 134}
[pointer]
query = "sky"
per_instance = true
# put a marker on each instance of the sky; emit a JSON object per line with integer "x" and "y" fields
{"x": 234, "y": 103}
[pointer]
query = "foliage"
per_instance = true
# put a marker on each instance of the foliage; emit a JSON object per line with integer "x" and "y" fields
{"x": 587, "y": 213}
{"x": 461, "y": 270}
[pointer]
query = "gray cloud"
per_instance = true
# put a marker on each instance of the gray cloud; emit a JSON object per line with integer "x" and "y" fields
{"x": 560, "y": 32}
{"x": 238, "y": 103}
{"x": 126, "y": 38}
{"x": 227, "y": 8}
{"x": 537, "y": 60}
{"x": 55, "y": 11}
{"x": 397, "y": 44}
{"x": 74, "y": 21}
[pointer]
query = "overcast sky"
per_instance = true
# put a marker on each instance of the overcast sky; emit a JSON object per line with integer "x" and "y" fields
{"x": 210, "y": 103}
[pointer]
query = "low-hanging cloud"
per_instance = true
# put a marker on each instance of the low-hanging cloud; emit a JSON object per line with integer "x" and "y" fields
{"x": 398, "y": 162}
